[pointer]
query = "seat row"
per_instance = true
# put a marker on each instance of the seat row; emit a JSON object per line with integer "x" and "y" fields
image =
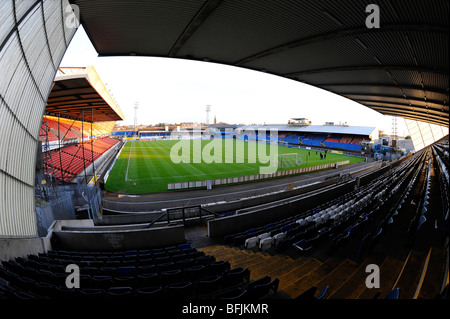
{"x": 118, "y": 253}
{"x": 257, "y": 289}
{"x": 135, "y": 258}
{"x": 311, "y": 221}
{"x": 34, "y": 269}
{"x": 307, "y": 229}
{"x": 180, "y": 287}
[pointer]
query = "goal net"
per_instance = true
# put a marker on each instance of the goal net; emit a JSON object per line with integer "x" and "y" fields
{"x": 288, "y": 160}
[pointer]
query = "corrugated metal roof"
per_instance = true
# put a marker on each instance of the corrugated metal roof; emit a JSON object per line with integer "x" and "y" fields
{"x": 324, "y": 43}
{"x": 79, "y": 91}
{"x": 334, "y": 129}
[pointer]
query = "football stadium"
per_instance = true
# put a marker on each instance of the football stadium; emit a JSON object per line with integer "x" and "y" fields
{"x": 273, "y": 216}
{"x": 146, "y": 166}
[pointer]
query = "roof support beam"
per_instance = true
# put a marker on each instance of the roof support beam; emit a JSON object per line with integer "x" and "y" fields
{"x": 196, "y": 22}
{"x": 416, "y": 114}
{"x": 361, "y": 97}
{"x": 366, "y": 68}
{"x": 403, "y": 106}
{"x": 344, "y": 33}
{"x": 378, "y": 85}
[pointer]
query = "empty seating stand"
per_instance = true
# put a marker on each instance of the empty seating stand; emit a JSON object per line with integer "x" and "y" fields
{"x": 165, "y": 273}
{"x": 70, "y": 161}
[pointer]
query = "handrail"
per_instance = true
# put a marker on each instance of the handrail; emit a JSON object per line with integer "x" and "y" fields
{"x": 210, "y": 211}
{"x": 156, "y": 219}
{"x": 182, "y": 208}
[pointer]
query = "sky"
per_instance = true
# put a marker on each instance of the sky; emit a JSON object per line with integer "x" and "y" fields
{"x": 169, "y": 90}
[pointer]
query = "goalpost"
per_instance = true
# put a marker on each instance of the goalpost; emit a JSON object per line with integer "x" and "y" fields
{"x": 288, "y": 160}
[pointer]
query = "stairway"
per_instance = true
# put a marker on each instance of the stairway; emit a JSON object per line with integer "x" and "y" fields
{"x": 295, "y": 275}
{"x": 417, "y": 276}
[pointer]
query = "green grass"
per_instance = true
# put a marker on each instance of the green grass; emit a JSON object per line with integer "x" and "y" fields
{"x": 146, "y": 166}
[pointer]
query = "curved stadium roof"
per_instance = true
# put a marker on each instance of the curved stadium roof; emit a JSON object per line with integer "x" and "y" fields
{"x": 80, "y": 94}
{"x": 334, "y": 129}
{"x": 399, "y": 69}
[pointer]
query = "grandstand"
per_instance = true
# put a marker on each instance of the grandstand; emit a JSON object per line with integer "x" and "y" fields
{"x": 298, "y": 239}
{"x": 321, "y": 239}
{"x": 70, "y": 161}
{"x": 78, "y": 136}
{"x": 338, "y": 137}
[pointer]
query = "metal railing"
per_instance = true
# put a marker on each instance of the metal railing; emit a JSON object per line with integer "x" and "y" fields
{"x": 195, "y": 213}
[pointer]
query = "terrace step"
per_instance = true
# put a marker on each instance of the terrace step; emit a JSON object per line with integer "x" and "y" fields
{"x": 262, "y": 264}
{"x": 354, "y": 284}
{"x": 434, "y": 274}
{"x": 338, "y": 276}
{"x": 389, "y": 271}
{"x": 409, "y": 278}
{"x": 305, "y": 280}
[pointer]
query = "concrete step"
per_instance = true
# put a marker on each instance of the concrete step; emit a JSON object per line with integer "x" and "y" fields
{"x": 303, "y": 281}
{"x": 354, "y": 284}
{"x": 338, "y": 276}
{"x": 389, "y": 271}
{"x": 434, "y": 274}
{"x": 409, "y": 278}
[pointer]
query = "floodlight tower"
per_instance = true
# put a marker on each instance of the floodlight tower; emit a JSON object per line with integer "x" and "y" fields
{"x": 208, "y": 109}
{"x": 394, "y": 133}
{"x": 136, "y": 107}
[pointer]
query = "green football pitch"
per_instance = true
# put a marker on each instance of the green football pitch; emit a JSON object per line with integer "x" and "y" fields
{"x": 147, "y": 166}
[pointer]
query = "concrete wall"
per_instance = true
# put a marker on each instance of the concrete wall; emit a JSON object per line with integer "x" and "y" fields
{"x": 61, "y": 224}
{"x": 243, "y": 179}
{"x": 118, "y": 239}
{"x": 11, "y": 248}
{"x": 272, "y": 212}
{"x": 33, "y": 40}
{"x": 131, "y": 218}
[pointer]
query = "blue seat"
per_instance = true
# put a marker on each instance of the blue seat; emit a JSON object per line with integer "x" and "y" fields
{"x": 235, "y": 276}
{"x": 92, "y": 293}
{"x": 218, "y": 267}
{"x": 323, "y": 292}
{"x": 131, "y": 253}
{"x": 232, "y": 294}
{"x": 148, "y": 280}
{"x": 205, "y": 260}
{"x": 260, "y": 281}
{"x": 393, "y": 294}
{"x": 119, "y": 292}
{"x": 239, "y": 240}
{"x": 171, "y": 276}
{"x": 124, "y": 281}
{"x": 303, "y": 245}
{"x": 195, "y": 272}
{"x": 101, "y": 282}
{"x": 184, "y": 246}
{"x": 180, "y": 290}
{"x": 261, "y": 289}
{"x": 375, "y": 239}
{"x": 208, "y": 284}
{"x": 363, "y": 246}
{"x": 152, "y": 293}
{"x": 310, "y": 293}
{"x": 145, "y": 269}
{"x": 127, "y": 270}
{"x": 422, "y": 220}
{"x": 185, "y": 263}
{"x": 166, "y": 266}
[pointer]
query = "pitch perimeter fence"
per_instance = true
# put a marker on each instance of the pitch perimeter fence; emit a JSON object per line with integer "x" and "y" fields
{"x": 242, "y": 179}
